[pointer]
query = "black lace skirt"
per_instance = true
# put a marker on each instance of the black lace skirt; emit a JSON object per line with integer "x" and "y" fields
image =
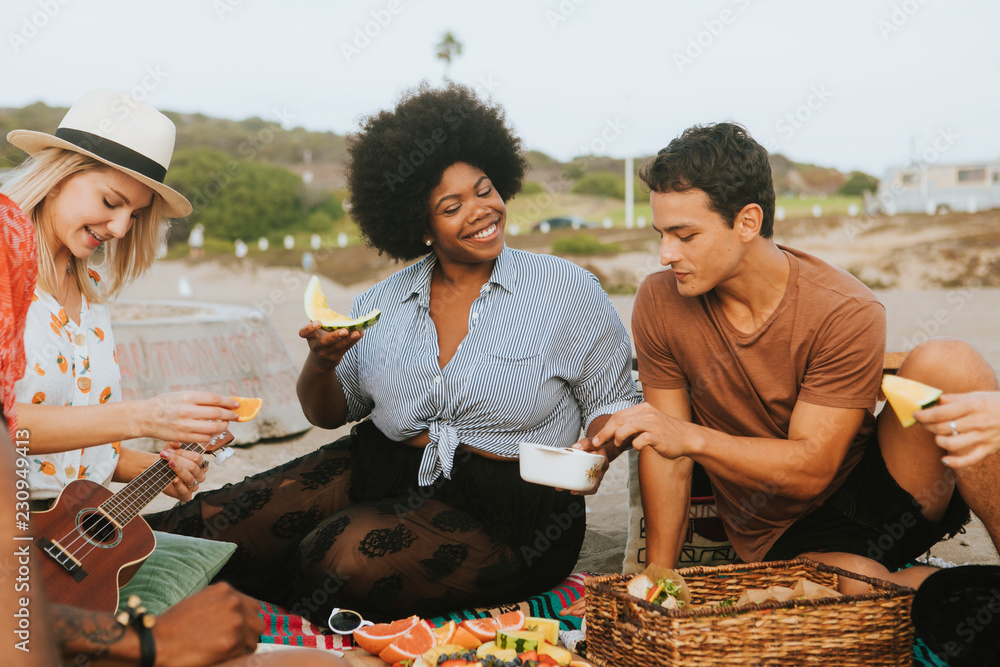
{"x": 348, "y": 526}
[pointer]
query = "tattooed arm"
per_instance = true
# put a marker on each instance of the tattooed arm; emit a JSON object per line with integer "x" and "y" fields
{"x": 93, "y": 637}
{"x": 212, "y": 626}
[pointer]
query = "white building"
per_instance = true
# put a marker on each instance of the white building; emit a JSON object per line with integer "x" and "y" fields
{"x": 938, "y": 188}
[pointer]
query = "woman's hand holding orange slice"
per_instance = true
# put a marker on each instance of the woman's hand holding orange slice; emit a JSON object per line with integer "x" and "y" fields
{"x": 248, "y": 409}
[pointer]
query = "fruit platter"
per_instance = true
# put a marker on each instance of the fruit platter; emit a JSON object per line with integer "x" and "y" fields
{"x": 508, "y": 640}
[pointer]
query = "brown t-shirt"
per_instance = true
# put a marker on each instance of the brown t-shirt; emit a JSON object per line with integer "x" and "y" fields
{"x": 823, "y": 344}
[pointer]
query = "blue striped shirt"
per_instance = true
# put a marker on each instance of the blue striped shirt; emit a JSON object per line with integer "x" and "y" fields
{"x": 545, "y": 354}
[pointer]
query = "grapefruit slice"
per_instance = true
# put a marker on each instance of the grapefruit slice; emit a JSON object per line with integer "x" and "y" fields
{"x": 248, "y": 409}
{"x": 907, "y": 396}
{"x": 466, "y": 639}
{"x": 316, "y": 309}
{"x": 512, "y": 620}
{"x": 483, "y": 629}
{"x": 445, "y": 634}
{"x": 411, "y": 645}
{"x": 375, "y": 638}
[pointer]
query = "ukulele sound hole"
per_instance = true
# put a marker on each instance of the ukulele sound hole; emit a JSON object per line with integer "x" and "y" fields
{"x": 98, "y": 528}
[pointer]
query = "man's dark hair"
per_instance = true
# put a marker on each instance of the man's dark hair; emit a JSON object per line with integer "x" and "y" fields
{"x": 722, "y": 160}
{"x": 399, "y": 156}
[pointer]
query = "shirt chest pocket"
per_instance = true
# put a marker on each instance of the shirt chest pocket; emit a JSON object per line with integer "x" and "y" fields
{"x": 505, "y": 385}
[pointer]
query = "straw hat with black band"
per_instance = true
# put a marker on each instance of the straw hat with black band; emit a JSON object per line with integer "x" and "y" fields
{"x": 120, "y": 131}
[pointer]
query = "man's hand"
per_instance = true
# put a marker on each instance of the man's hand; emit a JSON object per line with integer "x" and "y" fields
{"x": 578, "y": 608}
{"x": 976, "y": 417}
{"x": 211, "y": 626}
{"x": 645, "y": 426}
{"x": 587, "y": 445}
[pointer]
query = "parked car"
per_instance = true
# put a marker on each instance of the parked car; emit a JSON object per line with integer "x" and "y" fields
{"x": 574, "y": 221}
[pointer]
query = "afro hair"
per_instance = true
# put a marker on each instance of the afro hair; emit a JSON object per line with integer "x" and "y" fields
{"x": 399, "y": 156}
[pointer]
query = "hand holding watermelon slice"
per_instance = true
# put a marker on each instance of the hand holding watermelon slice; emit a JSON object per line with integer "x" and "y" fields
{"x": 966, "y": 425}
{"x": 329, "y": 334}
{"x": 317, "y": 310}
{"x": 907, "y": 396}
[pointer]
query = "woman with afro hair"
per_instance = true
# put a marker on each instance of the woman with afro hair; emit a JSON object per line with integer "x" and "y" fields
{"x": 479, "y": 348}
{"x": 421, "y": 509}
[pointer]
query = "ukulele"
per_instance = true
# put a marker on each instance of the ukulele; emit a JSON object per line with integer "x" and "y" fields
{"x": 93, "y": 541}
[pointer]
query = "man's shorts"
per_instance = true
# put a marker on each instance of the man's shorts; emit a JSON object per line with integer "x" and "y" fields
{"x": 870, "y": 515}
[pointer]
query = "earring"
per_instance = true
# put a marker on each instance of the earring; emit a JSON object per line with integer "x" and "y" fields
{"x": 428, "y": 242}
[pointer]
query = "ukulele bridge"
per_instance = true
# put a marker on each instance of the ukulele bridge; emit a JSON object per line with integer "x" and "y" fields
{"x": 61, "y": 556}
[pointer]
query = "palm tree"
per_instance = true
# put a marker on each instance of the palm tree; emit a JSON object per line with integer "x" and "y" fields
{"x": 448, "y": 48}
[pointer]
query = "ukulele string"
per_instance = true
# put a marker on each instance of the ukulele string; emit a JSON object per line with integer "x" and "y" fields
{"x": 126, "y": 507}
{"x": 157, "y": 475}
{"x": 133, "y": 499}
{"x": 106, "y": 527}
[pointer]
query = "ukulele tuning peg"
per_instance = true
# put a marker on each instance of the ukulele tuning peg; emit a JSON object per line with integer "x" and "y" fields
{"x": 222, "y": 454}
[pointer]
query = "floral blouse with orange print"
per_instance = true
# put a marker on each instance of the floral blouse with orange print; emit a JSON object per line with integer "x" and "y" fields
{"x": 69, "y": 364}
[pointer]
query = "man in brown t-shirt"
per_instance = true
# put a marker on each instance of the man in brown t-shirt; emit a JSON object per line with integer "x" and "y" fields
{"x": 762, "y": 364}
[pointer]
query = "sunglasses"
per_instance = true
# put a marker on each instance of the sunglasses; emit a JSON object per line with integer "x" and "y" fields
{"x": 345, "y": 621}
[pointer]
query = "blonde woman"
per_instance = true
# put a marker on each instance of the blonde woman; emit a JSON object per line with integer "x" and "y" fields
{"x": 95, "y": 194}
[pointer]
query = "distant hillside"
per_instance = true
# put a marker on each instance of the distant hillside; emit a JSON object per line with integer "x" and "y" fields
{"x": 250, "y": 139}
{"x": 790, "y": 178}
{"x": 263, "y": 140}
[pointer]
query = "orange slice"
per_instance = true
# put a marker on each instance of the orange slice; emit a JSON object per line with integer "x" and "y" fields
{"x": 375, "y": 638}
{"x": 445, "y": 634}
{"x": 466, "y": 639}
{"x": 249, "y": 407}
{"x": 414, "y": 643}
{"x": 512, "y": 620}
{"x": 483, "y": 629}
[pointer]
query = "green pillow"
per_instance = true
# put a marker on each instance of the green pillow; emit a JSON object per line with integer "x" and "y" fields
{"x": 178, "y": 567}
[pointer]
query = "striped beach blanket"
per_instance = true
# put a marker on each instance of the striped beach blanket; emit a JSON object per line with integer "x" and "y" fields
{"x": 283, "y": 628}
{"x": 286, "y": 629}
{"x": 544, "y": 605}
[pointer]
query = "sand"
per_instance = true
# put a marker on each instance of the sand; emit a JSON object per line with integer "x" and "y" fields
{"x": 972, "y": 314}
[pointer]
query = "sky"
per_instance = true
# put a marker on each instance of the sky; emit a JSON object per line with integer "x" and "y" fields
{"x": 852, "y": 84}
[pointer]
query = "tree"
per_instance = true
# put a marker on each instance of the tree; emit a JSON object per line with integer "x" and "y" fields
{"x": 448, "y": 48}
{"x": 857, "y": 183}
{"x": 235, "y": 199}
{"x": 601, "y": 184}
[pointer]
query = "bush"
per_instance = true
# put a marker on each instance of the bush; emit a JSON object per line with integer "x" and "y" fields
{"x": 602, "y": 184}
{"x": 583, "y": 244}
{"x": 857, "y": 183}
{"x": 235, "y": 199}
{"x": 606, "y": 184}
{"x": 214, "y": 246}
{"x": 327, "y": 202}
{"x": 532, "y": 188}
{"x": 319, "y": 222}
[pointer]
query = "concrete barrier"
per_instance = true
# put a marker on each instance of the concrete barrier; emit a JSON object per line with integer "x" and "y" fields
{"x": 165, "y": 346}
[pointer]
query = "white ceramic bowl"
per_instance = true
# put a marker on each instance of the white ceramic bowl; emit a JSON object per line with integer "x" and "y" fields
{"x": 561, "y": 467}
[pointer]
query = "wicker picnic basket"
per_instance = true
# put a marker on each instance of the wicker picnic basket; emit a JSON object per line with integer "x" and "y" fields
{"x": 871, "y": 629}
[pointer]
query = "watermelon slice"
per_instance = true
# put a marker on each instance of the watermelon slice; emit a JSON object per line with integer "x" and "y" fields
{"x": 316, "y": 309}
{"x": 907, "y": 396}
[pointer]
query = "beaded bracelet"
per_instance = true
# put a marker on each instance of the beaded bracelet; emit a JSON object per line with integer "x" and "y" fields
{"x": 135, "y": 616}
